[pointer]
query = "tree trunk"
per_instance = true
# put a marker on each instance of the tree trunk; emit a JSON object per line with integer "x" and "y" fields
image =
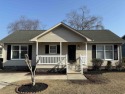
{"x": 33, "y": 78}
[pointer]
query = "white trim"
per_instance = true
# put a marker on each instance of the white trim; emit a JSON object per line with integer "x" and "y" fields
{"x": 19, "y": 52}
{"x": 35, "y": 38}
{"x": 86, "y": 54}
{"x": 60, "y": 49}
{"x": 53, "y": 46}
{"x": 37, "y": 50}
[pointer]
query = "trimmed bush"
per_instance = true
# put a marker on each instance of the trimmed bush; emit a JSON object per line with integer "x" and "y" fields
{"x": 97, "y": 63}
{"x": 109, "y": 65}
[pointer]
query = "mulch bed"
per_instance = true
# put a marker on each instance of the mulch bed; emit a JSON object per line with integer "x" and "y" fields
{"x": 29, "y": 89}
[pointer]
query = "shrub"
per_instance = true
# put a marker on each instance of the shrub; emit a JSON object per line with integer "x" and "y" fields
{"x": 109, "y": 65}
{"x": 121, "y": 65}
{"x": 97, "y": 63}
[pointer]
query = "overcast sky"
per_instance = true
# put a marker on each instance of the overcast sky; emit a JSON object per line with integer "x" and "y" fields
{"x": 51, "y": 12}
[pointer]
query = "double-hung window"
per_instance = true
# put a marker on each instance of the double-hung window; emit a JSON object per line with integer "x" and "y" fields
{"x": 53, "y": 49}
{"x": 18, "y": 52}
{"x": 109, "y": 52}
{"x": 100, "y": 52}
{"x": 104, "y": 52}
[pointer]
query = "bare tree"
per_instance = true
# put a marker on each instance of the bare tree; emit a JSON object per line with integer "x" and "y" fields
{"x": 24, "y": 23}
{"x": 81, "y": 20}
{"x": 32, "y": 71}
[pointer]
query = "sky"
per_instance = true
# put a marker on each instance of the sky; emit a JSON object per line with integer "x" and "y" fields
{"x": 51, "y": 12}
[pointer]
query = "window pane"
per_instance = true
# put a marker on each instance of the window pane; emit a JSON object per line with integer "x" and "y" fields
{"x": 100, "y": 47}
{"x": 15, "y": 55}
{"x": 23, "y": 54}
{"x": 109, "y": 55}
{"x": 0, "y": 55}
{"x": 100, "y": 54}
{"x": 15, "y": 47}
{"x": 108, "y": 48}
{"x": 24, "y": 48}
{"x": 52, "y": 49}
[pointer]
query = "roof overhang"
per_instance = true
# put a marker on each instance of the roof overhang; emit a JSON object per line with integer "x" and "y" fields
{"x": 60, "y": 24}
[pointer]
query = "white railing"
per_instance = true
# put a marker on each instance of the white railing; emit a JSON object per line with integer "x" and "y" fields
{"x": 82, "y": 62}
{"x": 52, "y": 59}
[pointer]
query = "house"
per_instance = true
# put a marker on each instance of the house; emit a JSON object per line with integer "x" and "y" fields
{"x": 123, "y": 47}
{"x": 61, "y": 47}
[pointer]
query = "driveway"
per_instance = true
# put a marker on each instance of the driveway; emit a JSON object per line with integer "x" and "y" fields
{"x": 7, "y": 78}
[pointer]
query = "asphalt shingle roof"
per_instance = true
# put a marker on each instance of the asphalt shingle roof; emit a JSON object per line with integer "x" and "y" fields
{"x": 98, "y": 36}
{"x": 102, "y": 36}
{"x": 21, "y": 36}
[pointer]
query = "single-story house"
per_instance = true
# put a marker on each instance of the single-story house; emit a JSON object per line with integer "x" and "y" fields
{"x": 61, "y": 46}
{"x": 123, "y": 47}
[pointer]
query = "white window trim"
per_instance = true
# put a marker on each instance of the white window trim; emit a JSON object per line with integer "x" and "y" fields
{"x": 19, "y": 51}
{"x": 105, "y": 51}
{"x": 49, "y": 49}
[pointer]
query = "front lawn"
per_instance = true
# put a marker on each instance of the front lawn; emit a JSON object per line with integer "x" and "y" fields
{"x": 105, "y": 83}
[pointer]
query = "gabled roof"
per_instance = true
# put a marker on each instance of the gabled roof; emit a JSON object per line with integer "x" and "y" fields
{"x": 60, "y": 24}
{"x": 21, "y": 36}
{"x": 102, "y": 36}
{"x": 96, "y": 36}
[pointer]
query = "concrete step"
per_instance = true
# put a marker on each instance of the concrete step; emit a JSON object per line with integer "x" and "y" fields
{"x": 71, "y": 76}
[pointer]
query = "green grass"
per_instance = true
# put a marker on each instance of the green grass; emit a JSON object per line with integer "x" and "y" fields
{"x": 105, "y": 83}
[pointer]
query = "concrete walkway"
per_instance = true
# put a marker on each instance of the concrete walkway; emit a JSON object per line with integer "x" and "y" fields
{"x": 7, "y": 78}
{"x": 76, "y": 77}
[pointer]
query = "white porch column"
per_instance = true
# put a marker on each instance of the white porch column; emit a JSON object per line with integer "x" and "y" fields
{"x": 36, "y": 50}
{"x": 86, "y": 54}
{"x": 60, "y": 49}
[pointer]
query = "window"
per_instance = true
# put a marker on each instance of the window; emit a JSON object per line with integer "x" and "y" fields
{"x": 100, "y": 52}
{"x": 53, "y": 49}
{"x": 0, "y": 52}
{"x": 108, "y": 52}
{"x": 104, "y": 52}
{"x": 18, "y": 52}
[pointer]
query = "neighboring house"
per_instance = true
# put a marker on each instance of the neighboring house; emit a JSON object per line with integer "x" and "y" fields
{"x": 63, "y": 46}
{"x": 123, "y": 47}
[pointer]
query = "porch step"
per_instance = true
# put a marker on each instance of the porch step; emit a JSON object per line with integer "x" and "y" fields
{"x": 73, "y": 76}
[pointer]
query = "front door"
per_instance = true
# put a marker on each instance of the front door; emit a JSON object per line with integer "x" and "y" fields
{"x": 71, "y": 53}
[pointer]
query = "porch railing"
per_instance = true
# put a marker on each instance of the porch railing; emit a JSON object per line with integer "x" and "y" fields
{"x": 83, "y": 60}
{"x": 52, "y": 59}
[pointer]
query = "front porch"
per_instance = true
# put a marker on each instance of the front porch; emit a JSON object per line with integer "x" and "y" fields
{"x": 63, "y": 59}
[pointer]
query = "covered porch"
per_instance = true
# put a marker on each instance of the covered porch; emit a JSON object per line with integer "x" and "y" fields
{"x": 71, "y": 56}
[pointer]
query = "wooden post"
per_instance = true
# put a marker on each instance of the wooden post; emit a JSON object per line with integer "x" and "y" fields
{"x": 36, "y": 50}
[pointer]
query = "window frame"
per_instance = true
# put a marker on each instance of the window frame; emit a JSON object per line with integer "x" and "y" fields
{"x": 106, "y": 50}
{"x": 50, "y": 51}
{"x": 19, "y": 52}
